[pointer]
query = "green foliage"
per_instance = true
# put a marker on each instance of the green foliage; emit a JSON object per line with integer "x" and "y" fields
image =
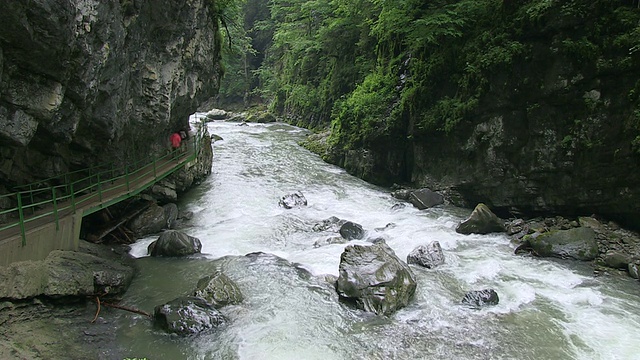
{"x": 383, "y": 69}
{"x": 536, "y": 10}
{"x": 364, "y": 115}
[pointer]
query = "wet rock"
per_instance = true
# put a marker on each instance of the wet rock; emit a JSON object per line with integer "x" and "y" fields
{"x": 425, "y": 198}
{"x": 150, "y": 221}
{"x": 185, "y": 215}
{"x": 398, "y": 206}
{"x": 218, "y": 290}
{"x": 428, "y": 256}
{"x": 215, "y": 138}
{"x": 187, "y": 316}
{"x": 170, "y": 214}
{"x": 402, "y": 194}
{"x": 374, "y": 279}
{"x": 578, "y": 243}
{"x": 164, "y": 191}
{"x": 294, "y": 200}
{"x": 634, "y": 271}
{"x": 481, "y": 221}
{"x": 378, "y": 240}
{"x": 351, "y": 231}
{"x": 479, "y": 298}
{"x": 329, "y": 241}
{"x": 333, "y": 223}
{"x": 175, "y": 243}
{"x": 515, "y": 226}
{"x": 616, "y": 260}
{"x": 386, "y": 227}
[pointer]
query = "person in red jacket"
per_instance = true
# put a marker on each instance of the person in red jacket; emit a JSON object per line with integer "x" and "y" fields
{"x": 176, "y": 140}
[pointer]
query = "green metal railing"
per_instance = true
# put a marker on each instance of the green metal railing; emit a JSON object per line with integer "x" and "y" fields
{"x": 40, "y": 200}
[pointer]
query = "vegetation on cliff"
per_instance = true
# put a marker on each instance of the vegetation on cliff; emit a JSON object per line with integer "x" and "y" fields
{"x": 466, "y": 95}
{"x": 374, "y": 67}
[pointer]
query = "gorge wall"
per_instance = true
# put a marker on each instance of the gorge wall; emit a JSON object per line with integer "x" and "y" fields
{"x": 555, "y": 130}
{"x": 86, "y": 82}
{"x": 531, "y": 107}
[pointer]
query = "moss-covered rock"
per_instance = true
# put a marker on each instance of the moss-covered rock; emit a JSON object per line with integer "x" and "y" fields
{"x": 578, "y": 243}
{"x": 218, "y": 290}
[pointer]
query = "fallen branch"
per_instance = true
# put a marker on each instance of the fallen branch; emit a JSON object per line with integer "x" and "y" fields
{"x": 122, "y": 307}
{"x": 98, "y": 311}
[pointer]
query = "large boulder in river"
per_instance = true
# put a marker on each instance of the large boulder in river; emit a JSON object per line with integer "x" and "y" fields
{"x": 351, "y": 231}
{"x": 578, "y": 243}
{"x": 187, "y": 316}
{"x": 294, "y": 200}
{"x": 93, "y": 270}
{"x": 479, "y": 298}
{"x": 218, "y": 290}
{"x": 174, "y": 243}
{"x": 425, "y": 198}
{"x": 374, "y": 279}
{"x": 481, "y": 221}
{"x": 428, "y": 256}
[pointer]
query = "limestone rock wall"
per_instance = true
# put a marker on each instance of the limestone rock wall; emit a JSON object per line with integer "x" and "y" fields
{"x": 85, "y": 82}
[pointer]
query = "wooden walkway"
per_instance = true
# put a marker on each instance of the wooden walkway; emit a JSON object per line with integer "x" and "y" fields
{"x": 57, "y": 225}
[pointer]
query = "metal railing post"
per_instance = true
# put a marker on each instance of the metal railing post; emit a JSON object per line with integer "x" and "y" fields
{"x": 73, "y": 198}
{"x": 126, "y": 175}
{"x": 55, "y": 208}
{"x": 66, "y": 183}
{"x": 33, "y": 209}
{"x": 99, "y": 188}
{"x": 21, "y": 216}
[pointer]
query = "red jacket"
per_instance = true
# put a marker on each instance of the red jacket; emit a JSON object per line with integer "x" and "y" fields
{"x": 175, "y": 140}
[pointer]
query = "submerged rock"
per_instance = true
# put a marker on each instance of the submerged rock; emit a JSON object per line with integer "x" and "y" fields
{"x": 329, "y": 241}
{"x": 294, "y": 200}
{"x": 481, "y": 221}
{"x": 428, "y": 256}
{"x": 479, "y": 298}
{"x": 218, "y": 290}
{"x": 187, "y": 316}
{"x": 174, "y": 243}
{"x": 374, "y": 279}
{"x": 351, "y": 231}
{"x": 333, "y": 223}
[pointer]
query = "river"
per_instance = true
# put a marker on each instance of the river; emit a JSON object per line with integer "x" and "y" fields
{"x": 548, "y": 309}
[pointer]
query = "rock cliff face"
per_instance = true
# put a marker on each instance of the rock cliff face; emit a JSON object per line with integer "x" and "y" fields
{"x": 85, "y": 82}
{"x": 555, "y": 132}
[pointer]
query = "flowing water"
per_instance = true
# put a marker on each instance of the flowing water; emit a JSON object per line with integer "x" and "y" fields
{"x": 547, "y": 310}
